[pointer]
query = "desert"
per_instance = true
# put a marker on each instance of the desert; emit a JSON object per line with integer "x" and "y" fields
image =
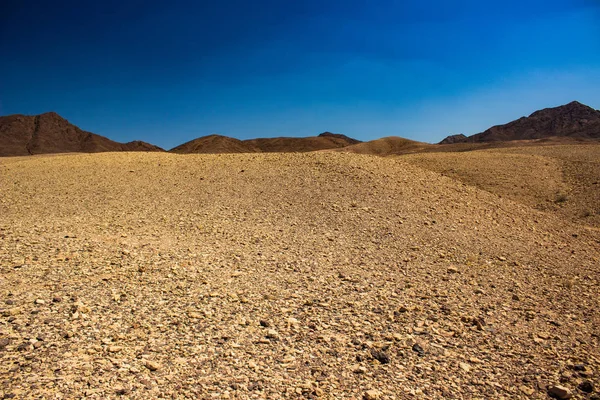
{"x": 299, "y": 275}
{"x": 285, "y": 200}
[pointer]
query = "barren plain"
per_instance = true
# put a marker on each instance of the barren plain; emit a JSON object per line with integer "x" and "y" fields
{"x": 314, "y": 275}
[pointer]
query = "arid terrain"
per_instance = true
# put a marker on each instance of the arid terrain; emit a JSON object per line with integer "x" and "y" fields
{"x": 301, "y": 275}
{"x": 560, "y": 178}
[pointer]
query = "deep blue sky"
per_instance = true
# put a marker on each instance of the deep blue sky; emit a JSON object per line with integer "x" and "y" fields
{"x": 170, "y": 71}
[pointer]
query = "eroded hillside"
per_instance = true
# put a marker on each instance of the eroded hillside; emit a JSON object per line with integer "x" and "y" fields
{"x": 561, "y": 179}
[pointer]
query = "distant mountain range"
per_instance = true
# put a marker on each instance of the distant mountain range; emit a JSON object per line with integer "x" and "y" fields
{"x": 574, "y": 120}
{"x": 50, "y": 133}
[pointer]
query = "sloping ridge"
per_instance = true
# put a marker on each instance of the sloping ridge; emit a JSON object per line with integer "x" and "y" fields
{"x": 223, "y": 144}
{"x": 573, "y": 120}
{"x": 50, "y": 133}
{"x": 388, "y": 146}
{"x": 214, "y": 144}
{"x": 459, "y": 138}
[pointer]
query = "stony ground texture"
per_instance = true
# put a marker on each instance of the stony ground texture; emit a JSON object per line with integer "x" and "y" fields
{"x": 564, "y": 179}
{"x": 274, "y": 276}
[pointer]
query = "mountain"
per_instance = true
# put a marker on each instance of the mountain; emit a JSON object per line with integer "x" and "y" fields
{"x": 214, "y": 144}
{"x": 573, "y": 120}
{"x": 224, "y": 144}
{"x": 22, "y": 135}
{"x": 460, "y": 138}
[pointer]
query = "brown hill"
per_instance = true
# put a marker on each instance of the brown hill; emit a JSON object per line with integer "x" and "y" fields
{"x": 50, "y": 133}
{"x": 224, "y": 144}
{"x": 573, "y": 120}
{"x": 388, "y": 146}
{"x": 214, "y": 144}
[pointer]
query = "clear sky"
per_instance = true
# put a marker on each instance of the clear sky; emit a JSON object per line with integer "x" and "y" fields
{"x": 169, "y": 71}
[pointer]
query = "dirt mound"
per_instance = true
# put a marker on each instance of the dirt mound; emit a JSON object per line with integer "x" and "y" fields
{"x": 315, "y": 275}
{"x": 574, "y": 120}
{"x": 223, "y": 144}
{"x": 388, "y": 146}
{"x": 50, "y": 133}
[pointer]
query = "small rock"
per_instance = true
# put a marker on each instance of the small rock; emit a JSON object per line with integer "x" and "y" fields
{"x": 264, "y": 323}
{"x": 418, "y": 349}
{"x": 272, "y": 334}
{"x": 464, "y": 366}
{"x": 82, "y": 308}
{"x": 40, "y": 301}
{"x": 372, "y": 395}
{"x": 3, "y": 343}
{"x": 11, "y": 312}
{"x": 380, "y": 356}
{"x": 24, "y": 346}
{"x": 527, "y": 390}
{"x": 452, "y": 270}
{"x": 358, "y": 369}
{"x": 559, "y": 392}
{"x": 120, "y": 391}
{"x": 543, "y": 335}
{"x": 516, "y": 297}
{"x": 152, "y": 365}
{"x": 114, "y": 349}
{"x": 586, "y": 386}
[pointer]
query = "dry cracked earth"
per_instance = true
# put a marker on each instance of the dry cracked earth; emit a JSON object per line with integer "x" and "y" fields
{"x": 272, "y": 276}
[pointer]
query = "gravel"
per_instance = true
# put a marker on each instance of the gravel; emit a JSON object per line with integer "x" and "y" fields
{"x": 320, "y": 275}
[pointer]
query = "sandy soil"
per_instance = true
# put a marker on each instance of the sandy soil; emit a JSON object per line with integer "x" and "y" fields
{"x": 319, "y": 275}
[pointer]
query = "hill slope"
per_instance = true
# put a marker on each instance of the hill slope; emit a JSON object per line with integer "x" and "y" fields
{"x": 573, "y": 120}
{"x": 309, "y": 275}
{"x": 560, "y": 179}
{"x": 388, "y": 146}
{"x": 50, "y": 133}
{"x": 224, "y": 144}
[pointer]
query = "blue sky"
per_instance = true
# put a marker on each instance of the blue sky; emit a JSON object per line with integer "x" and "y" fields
{"x": 168, "y": 72}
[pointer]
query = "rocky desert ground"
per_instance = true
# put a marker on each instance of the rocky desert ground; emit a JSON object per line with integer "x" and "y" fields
{"x": 284, "y": 276}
